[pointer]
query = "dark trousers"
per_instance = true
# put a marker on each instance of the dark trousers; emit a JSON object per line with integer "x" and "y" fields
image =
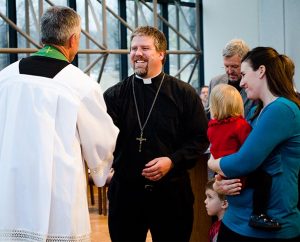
{"x": 227, "y": 235}
{"x": 261, "y": 182}
{"x": 165, "y": 209}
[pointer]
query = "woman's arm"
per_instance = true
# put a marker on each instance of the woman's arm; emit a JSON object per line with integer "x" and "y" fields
{"x": 273, "y": 126}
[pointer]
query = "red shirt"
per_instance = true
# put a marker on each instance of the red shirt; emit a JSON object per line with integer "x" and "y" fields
{"x": 227, "y": 135}
{"x": 213, "y": 231}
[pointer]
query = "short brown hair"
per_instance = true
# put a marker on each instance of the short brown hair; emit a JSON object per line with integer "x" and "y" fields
{"x": 225, "y": 101}
{"x": 209, "y": 185}
{"x": 160, "y": 41}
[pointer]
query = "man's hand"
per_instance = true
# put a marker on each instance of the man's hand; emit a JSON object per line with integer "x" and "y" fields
{"x": 109, "y": 177}
{"x": 157, "y": 168}
{"x": 227, "y": 187}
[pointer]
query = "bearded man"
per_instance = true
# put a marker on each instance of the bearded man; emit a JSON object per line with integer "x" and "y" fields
{"x": 162, "y": 134}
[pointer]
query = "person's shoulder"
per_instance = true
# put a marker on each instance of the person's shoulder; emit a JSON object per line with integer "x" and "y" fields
{"x": 223, "y": 78}
{"x": 180, "y": 84}
{"x": 73, "y": 75}
{"x": 237, "y": 121}
{"x": 242, "y": 120}
{"x": 10, "y": 70}
{"x": 286, "y": 105}
{"x": 242, "y": 123}
{"x": 118, "y": 88}
{"x": 76, "y": 80}
{"x": 75, "y": 72}
{"x": 118, "y": 85}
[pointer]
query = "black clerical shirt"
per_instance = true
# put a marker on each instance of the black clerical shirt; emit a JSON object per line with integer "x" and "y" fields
{"x": 176, "y": 127}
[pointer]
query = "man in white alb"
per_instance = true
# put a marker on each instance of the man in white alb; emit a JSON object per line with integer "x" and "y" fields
{"x": 53, "y": 117}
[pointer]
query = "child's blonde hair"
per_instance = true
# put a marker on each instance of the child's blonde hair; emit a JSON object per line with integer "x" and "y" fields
{"x": 225, "y": 101}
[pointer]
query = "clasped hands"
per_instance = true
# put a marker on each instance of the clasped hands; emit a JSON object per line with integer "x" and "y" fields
{"x": 157, "y": 168}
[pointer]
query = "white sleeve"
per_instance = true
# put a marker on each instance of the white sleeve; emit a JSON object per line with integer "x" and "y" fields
{"x": 97, "y": 135}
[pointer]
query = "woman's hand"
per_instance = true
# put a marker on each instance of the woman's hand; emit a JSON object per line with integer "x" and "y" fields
{"x": 227, "y": 187}
{"x": 214, "y": 164}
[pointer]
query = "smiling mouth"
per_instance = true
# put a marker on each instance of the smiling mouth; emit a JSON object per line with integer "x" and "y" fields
{"x": 139, "y": 61}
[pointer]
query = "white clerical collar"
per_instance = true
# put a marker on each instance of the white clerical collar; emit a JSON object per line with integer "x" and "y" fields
{"x": 147, "y": 80}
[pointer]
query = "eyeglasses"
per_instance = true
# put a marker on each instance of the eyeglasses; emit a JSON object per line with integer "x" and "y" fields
{"x": 233, "y": 67}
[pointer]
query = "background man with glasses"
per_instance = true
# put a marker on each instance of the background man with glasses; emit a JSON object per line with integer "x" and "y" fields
{"x": 233, "y": 53}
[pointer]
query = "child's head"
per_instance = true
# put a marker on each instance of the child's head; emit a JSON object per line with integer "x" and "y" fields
{"x": 225, "y": 101}
{"x": 215, "y": 203}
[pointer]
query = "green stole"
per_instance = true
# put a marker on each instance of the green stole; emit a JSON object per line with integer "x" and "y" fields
{"x": 52, "y": 52}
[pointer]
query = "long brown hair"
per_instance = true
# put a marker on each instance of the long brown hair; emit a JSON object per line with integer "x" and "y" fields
{"x": 278, "y": 81}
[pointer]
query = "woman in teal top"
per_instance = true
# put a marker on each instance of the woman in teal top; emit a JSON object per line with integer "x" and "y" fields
{"x": 273, "y": 145}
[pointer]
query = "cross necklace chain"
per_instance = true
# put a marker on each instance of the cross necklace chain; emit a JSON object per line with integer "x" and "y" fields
{"x": 142, "y": 139}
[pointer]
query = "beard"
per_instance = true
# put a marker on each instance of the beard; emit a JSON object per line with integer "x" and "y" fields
{"x": 235, "y": 84}
{"x": 142, "y": 72}
{"x": 139, "y": 70}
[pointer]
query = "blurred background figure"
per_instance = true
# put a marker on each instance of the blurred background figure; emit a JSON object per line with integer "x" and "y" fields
{"x": 233, "y": 53}
{"x": 203, "y": 94}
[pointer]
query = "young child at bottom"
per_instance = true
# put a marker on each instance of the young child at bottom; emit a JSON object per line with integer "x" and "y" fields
{"x": 216, "y": 205}
{"x": 227, "y": 131}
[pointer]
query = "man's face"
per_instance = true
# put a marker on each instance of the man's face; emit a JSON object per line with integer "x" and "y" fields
{"x": 145, "y": 60}
{"x": 232, "y": 67}
{"x": 204, "y": 95}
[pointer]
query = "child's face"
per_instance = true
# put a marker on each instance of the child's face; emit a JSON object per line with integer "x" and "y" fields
{"x": 213, "y": 204}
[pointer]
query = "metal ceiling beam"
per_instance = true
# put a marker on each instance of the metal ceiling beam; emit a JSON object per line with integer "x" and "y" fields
{"x": 16, "y": 28}
{"x": 171, "y": 27}
{"x": 101, "y": 47}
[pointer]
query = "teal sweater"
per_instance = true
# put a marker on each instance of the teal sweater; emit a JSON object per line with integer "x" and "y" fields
{"x": 273, "y": 144}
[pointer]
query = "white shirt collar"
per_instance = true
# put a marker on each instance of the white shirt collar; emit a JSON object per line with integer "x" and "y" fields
{"x": 147, "y": 80}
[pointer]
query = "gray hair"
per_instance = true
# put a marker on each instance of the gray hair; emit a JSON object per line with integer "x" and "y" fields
{"x": 58, "y": 23}
{"x": 235, "y": 47}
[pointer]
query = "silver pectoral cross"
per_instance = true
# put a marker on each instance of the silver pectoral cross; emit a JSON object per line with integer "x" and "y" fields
{"x": 141, "y": 140}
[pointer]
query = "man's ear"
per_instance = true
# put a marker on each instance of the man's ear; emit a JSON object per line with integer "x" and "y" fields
{"x": 162, "y": 55}
{"x": 72, "y": 40}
